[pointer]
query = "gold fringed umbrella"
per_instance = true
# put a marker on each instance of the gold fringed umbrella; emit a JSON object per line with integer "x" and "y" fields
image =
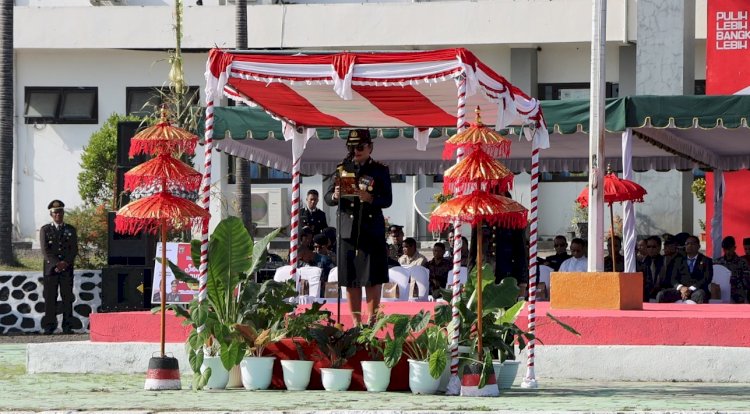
{"x": 477, "y": 171}
{"x": 163, "y": 138}
{"x": 490, "y": 140}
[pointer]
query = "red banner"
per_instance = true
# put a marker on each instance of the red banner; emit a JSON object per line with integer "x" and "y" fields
{"x": 728, "y": 47}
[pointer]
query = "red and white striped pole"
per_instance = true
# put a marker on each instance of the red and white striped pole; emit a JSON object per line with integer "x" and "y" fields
{"x": 454, "y": 385}
{"x": 529, "y": 380}
{"x": 294, "y": 239}
{"x": 206, "y": 202}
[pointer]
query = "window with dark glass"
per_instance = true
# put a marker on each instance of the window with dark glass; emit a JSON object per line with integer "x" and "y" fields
{"x": 61, "y": 105}
{"x": 574, "y": 90}
{"x": 146, "y": 100}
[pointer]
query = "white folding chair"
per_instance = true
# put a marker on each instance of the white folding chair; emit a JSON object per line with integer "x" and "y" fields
{"x": 463, "y": 276}
{"x": 544, "y": 277}
{"x": 721, "y": 278}
{"x": 312, "y": 275}
{"x": 421, "y": 278}
{"x": 399, "y": 276}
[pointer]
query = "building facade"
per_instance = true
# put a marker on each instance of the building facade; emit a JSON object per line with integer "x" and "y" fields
{"x": 108, "y": 50}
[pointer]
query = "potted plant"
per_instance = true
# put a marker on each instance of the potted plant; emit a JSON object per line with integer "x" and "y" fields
{"x": 297, "y": 371}
{"x": 384, "y": 353}
{"x": 257, "y": 368}
{"x": 425, "y": 343}
{"x": 234, "y": 259}
{"x": 580, "y": 220}
{"x": 337, "y": 346}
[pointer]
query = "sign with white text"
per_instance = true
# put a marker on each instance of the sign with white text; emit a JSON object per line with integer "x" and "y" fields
{"x": 177, "y": 291}
{"x": 728, "y": 47}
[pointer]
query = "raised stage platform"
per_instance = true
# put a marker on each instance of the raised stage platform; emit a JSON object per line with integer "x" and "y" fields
{"x": 656, "y": 324}
{"x": 648, "y": 345}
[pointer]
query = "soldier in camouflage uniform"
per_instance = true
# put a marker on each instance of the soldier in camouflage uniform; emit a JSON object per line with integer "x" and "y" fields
{"x": 740, "y": 279}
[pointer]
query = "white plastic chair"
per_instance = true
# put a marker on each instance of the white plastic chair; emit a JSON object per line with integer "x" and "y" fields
{"x": 721, "y": 278}
{"x": 463, "y": 277}
{"x": 333, "y": 277}
{"x": 283, "y": 274}
{"x": 399, "y": 276}
{"x": 312, "y": 275}
{"x": 544, "y": 277}
{"x": 421, "y": 278}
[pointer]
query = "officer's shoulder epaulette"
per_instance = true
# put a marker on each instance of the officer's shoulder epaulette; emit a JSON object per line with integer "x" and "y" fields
{"x": 378, "y": 163}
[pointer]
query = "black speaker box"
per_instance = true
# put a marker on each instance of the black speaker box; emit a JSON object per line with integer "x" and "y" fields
{"x": 125, "y": 132}
{"x": 129, "y": 250}
{"x": 126, "y": 288}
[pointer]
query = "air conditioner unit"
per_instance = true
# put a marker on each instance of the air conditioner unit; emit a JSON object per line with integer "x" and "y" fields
{"x": 270, "y": 207}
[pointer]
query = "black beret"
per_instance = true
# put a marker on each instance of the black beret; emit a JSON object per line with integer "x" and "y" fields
{"x": 395, "y": 227}
{"x": 728, "y": 242}
{"x": 746, "y": 240}
{"x": 358, "y": 136}
{"x": 55, "y": 205}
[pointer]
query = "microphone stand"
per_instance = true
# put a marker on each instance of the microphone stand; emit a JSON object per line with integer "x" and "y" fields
{"x": 339, "y": 256}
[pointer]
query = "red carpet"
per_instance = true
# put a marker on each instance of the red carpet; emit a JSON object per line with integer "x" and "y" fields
{"x": 656, "y": 324}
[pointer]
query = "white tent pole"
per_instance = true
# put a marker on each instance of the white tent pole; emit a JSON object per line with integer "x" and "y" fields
{"x": 596, "y": 138}
{"x": 718, "y": 217}
{"x": 628, "y": 208}
{"x": 454, "y": 384}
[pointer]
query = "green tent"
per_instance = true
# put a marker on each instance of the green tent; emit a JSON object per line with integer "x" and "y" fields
{"x": 673, "y": 132}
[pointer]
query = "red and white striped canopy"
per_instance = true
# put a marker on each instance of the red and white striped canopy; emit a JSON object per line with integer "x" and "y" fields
{"x": 383, "y": 89}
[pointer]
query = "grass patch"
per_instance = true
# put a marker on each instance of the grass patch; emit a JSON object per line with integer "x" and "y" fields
{"x": 26, "y": 264}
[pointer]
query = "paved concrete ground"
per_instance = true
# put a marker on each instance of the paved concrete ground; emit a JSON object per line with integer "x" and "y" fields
{"x": 98, "y": 392}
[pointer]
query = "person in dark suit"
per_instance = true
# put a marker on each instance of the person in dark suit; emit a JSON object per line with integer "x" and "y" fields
{"x": 59, "y": 244}
{"x": 693, "y": 284}
{"x": 310, "y": 215}
{"x": 652, "y": 266}
{"x": 361, "y": 190}
{"x": 561, "y": 253}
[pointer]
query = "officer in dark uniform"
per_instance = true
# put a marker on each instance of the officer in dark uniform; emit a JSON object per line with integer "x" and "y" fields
{"x": 311, "y": 216}
{"x": 396, "y": 247}
{"x": 361, "y": 189}
{"x": 59, "y": 243}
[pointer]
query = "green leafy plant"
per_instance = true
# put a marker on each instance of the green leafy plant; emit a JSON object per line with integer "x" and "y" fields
{"x": 439, "y": 198}
{"x": 96, "y": 181}
{"x": 231, "y": 293}
{"x": 298, "y": 325}
{"x": 91, "y": 226}
{"x": 698, "y": 187}
{"x": 336, "y": 345}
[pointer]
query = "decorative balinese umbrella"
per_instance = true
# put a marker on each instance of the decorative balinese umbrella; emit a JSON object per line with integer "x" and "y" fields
{"x": 477, "y": 171}
{"x": 615, "y": 190}
{"x": 160, "y": 212}
{"x": 163, "y": 166}
{"x": 490, "y": 140}
{"x": 477, "y": 208}
{"x": 163, "y": 138}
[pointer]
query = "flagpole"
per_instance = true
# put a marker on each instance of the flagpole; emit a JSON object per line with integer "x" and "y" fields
{"x": 596, "y": 137}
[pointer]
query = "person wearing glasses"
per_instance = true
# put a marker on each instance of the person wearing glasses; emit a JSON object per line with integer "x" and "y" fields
{"x": 561, "y": 253}
{"x": 59, "y": 244}
{"x": 690, "y": 286}
{"x": 361, "y": 190}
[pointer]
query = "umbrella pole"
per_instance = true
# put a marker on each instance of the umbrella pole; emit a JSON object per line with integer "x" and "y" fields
{"x": 612, "y": 237}
{"x": 479, "y": 291}
{"x": 163, "y": 286}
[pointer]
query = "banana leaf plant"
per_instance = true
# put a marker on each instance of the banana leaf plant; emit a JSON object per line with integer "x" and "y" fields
{"x": 234, "y": 258}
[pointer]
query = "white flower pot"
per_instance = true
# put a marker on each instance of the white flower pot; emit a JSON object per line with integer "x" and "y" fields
{"x": 507, "y": 374}
{"x": 235, "y": 378}
{"x": 296, "y": 374}
{"x": 420, "y": 380}
{"x": 256, "y": 372}
{"x": 376, "y": 375}
{"x": 219, "y": 375}
{"x": 336, "y": 379}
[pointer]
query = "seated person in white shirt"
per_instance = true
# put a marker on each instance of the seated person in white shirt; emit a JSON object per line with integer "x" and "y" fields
{"x": 411, "y": 256}
{"x": 579, "y": 262}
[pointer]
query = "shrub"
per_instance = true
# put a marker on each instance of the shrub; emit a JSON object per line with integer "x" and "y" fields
{"x": 91, "y": 225}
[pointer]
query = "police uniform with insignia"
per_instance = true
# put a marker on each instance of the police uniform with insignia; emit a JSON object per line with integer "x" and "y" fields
{"x": 315, "y": 219}
{"x": 362, "y": 256}
{"x": 59, "y": 244}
